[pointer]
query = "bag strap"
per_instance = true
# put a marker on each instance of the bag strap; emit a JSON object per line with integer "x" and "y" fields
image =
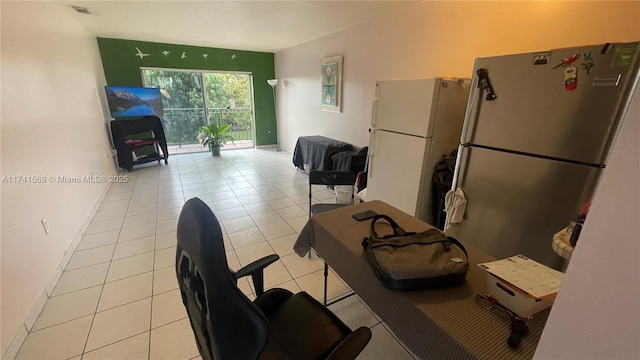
{"x": 458, "y": 244}
{"x": 397, "y": 230}
{"x": 431, "y": 236}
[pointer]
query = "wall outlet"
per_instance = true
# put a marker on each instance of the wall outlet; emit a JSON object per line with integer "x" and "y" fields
{"x": 45, "y": 225}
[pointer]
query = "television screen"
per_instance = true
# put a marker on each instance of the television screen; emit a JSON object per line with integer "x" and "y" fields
{"x": 133, "y": 101}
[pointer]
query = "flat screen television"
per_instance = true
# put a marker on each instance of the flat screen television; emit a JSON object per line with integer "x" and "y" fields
{"x": 127, "y": 101}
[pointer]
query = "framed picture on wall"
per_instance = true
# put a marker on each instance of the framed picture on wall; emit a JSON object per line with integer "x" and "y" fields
{"x": 332, "y": 83}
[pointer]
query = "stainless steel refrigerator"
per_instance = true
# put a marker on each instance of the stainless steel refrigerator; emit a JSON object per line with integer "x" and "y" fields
{"x": 414, "y": 123}
{"x": 538, "y": 130}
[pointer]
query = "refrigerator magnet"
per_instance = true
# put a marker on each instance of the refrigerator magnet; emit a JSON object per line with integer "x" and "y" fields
{"x": 624, "y": 55}
{"x": 587, "y": 62}
{"x": 571, "y": 78}
{"x": 541, "y": 58}
{"x": 568, "y": 60}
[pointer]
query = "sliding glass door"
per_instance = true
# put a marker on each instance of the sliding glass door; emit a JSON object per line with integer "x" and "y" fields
{"x": 192, "y": 99}
{"x": 228, "y": 101}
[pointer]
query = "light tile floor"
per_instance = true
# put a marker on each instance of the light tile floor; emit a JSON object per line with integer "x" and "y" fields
{"x": 118, "y": 298}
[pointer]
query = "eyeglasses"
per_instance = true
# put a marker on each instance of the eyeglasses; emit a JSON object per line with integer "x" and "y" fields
{"x": 490, "y": 303}
{"x": 518, "y": 326}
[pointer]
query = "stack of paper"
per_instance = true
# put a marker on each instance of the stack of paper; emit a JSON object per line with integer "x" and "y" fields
{"x": 527, "y": 275}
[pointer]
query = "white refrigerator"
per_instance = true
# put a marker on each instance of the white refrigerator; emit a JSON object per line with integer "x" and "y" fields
{"x": 413, "y": 124}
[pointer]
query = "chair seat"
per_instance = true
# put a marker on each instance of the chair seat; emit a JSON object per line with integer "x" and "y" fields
{"x": 318, "y": 208}
{"x": 301, "y": 328}
{"x": 227, "y": 325}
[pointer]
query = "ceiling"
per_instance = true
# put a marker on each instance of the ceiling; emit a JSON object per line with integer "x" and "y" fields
{"x": 267, "y": 26}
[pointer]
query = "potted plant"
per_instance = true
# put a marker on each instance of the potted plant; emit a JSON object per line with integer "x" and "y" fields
{"x": 214, "y": 136}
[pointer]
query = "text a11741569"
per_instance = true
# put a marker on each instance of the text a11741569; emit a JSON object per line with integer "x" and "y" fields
{"x": 64, "y": 179}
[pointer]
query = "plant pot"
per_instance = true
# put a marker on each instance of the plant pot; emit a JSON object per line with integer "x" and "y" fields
{"x": 215, "y": 150}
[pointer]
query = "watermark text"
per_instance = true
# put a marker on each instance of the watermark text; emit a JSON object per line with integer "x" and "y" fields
{"x": 63, "y": 179}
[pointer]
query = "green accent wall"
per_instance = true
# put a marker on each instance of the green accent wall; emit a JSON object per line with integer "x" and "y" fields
{"x": 122, "y": 68}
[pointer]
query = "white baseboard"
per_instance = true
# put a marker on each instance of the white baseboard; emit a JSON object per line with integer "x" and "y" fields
{"x": 21, "y": 335}
{"x": 36, "y": 310}
{"x": 16, "y": 344}
{"x": 53, "y": 281}
{"x": 268, "y": 147}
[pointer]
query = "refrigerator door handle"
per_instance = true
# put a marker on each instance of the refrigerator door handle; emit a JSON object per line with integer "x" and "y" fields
{"x": 374, "y": 112}
{"x": 471, "y": 107}
{"x": 456, "y": 169}
{"x": 369, "y": 165}
{"x": 485, "y": 83}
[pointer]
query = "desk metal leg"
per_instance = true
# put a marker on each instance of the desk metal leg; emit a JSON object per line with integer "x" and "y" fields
{"x": 326, "y": 275}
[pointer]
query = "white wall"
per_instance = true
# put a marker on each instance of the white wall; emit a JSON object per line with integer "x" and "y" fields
{"x": 428, "y": 39}
{"x": 53, "y": 124}
{"x": 597, "y": 313}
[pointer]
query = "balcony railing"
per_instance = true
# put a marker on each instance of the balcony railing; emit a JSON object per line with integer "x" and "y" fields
{"x": 182, "y": 125}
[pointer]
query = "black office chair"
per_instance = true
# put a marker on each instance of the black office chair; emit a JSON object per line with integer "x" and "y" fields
{"x": 227, "y": 325}
{"x": 330, "y": 178}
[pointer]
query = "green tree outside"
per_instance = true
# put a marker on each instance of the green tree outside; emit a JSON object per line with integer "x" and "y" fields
{"x": 228, "y": 102}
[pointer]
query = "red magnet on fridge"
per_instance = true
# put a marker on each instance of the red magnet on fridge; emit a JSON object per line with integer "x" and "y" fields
{"x": 571, "y": 78}
{"x": 568, "y": 60}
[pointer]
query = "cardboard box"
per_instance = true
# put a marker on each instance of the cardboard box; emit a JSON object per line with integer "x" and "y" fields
{"x": 522, "y": 285}
{"x": 515, "y": 299}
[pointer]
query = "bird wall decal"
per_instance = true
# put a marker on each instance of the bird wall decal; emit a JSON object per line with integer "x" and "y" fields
{"x": 140, "y": 54}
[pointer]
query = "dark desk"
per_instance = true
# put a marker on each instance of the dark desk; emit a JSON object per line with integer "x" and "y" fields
{"x": 316, "y": 151}
{"x": 435, "y": 324}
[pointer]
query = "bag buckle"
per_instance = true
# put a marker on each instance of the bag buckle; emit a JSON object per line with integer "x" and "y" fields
{"x": 365, "y": 242}
{"x": 447, "y": 245}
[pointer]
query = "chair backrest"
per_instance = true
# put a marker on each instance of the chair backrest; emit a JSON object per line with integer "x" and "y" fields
{"x": 331, "y": 178}
{"x": 317, "y": 177}
{"x": 226, "y": 324}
